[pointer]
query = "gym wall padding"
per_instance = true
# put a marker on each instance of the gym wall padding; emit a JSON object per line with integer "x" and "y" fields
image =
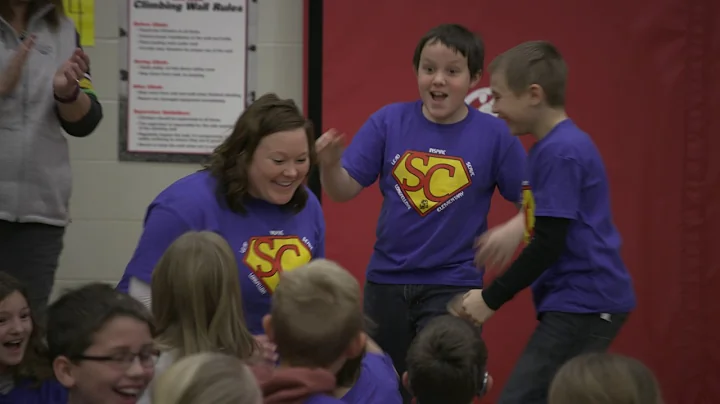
{"x": 644, "y": 83}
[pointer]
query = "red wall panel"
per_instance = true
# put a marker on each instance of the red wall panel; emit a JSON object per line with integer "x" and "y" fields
{"x": 643, "y": 83}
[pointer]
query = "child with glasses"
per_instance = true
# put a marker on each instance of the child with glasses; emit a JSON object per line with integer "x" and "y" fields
{"x": 25, "y": 376}
{"x": 101, "y": 345}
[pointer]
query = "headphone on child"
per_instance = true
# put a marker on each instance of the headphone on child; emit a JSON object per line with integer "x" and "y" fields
{"x": 481, "y": 381}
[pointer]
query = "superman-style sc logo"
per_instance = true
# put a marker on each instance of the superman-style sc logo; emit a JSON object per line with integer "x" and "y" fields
{"x": 528, "y": 207}
{"x": 269, "y": 256}
{"x": 429, "y": 180}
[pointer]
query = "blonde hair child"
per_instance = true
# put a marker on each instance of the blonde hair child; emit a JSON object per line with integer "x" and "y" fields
{"x": 207, "y": 378}
{"x": 601, "y": 378}
{"x": 196, "y": 301}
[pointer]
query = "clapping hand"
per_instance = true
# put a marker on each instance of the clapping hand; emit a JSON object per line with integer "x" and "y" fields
{"x": 11, "y": 75}
{"x": 66, "y": 78}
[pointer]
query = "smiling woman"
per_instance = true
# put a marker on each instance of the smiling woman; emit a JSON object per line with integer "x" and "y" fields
{"x": 252, "y": 194}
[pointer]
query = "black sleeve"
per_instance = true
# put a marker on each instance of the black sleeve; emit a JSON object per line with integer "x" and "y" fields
{"x": 544, "y": 250}
{"x": 88, "y": 123}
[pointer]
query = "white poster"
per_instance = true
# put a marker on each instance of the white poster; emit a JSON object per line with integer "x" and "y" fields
{"x": 186, "y": 74}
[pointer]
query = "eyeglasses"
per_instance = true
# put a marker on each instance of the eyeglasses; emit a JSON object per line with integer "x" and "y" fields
{"x": 124, "y": 360}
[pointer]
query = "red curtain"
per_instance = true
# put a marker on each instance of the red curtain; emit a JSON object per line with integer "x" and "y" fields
{"x": 644, "y": 83}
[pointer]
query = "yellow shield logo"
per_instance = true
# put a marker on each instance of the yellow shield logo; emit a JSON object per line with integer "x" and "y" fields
{"x": 428, "y": 180}
{"x": 528, "y": 206}
{"x": 269, "y": 256}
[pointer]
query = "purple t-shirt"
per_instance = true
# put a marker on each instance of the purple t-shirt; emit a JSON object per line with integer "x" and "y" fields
{"x": 49, "y": 392}
{"x": 267, "y": 240}
{"x": 567, "y": 179}
{"x": 437, "y": 182}
{"x": 378, "y": 382}
{"x": 322, "y": 399}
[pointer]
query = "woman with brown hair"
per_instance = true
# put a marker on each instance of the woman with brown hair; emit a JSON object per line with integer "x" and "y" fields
{"x": 252, "y": 193}
{"x": 45, "y": 89}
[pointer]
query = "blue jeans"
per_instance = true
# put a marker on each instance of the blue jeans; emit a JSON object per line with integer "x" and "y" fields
{"x": 558, "y": 338}
{"x": 400, "y": 312}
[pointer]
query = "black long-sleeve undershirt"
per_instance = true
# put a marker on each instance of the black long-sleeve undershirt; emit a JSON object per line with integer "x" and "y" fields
{"x": 545, "y": 248}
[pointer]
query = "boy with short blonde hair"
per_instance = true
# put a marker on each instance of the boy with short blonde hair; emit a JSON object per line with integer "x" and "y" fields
{"x": 582, "y": 290}
{"x": 316, "y": 314}
{"x": 317, "y": 323}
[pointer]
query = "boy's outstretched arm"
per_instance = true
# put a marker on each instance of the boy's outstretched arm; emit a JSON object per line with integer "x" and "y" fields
{"x": 336, "y": 181}
{"x": 344, "y": 173}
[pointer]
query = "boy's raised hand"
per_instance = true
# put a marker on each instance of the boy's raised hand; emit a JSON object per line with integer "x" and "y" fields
{"x": 330, "y": 147}
{"x": 496, "y": 247}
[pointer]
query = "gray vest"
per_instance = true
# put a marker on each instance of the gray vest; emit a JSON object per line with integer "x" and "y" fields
{"x": 35, "y": 178}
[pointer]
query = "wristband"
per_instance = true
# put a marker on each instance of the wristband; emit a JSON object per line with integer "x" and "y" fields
{"x": 68, "y": 100}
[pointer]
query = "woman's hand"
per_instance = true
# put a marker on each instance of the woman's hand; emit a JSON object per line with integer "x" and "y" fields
{"x": 66, "y": 78}
{"x": 13, "y": 71}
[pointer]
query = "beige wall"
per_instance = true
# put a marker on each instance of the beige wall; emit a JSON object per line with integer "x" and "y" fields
{"x": 110, "y": 197}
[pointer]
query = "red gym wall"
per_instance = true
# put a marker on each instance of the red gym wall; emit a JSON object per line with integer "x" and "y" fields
{"x": 644, "y": 83}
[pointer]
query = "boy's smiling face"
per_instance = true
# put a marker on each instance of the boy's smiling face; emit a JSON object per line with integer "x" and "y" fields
{"x": 444, "y": 80}
{"x": 111, "y": 381}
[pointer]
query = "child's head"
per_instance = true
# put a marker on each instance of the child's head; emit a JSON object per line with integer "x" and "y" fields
{"x": 207, "y": 378}
{"x": 197, "y": 304}
{"x": 100, "y": 342}
{"x": 21, "y": 349}
{"x": 316, "y": 317}
{"x": 601, "y": 378}
{"x": 525, "y": 81}
{"x": 448, "y": 61}
{"x": 447, "y": 363}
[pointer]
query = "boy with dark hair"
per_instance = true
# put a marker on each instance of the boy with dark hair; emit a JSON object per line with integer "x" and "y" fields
{"x": 438, "y": 163}
{"x": 369, "y": 378}
{"x": 100, "y": 342}
{"x": 447, "y": 363}
{"x": 581, "y": 288}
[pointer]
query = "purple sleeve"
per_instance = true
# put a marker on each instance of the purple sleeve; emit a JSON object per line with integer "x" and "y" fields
{"x": 363, "y": 159}
{"x": 162, "y": 227}
{"x": 556, "y": 186}
{"x": 385, "y": 364}
{"x": 511, "y": 169}
{"x": 320, "y": 246}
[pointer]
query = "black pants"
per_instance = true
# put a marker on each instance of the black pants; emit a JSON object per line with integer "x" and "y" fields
{"x": 400, "y": 312}
{"x": 558, "y": 338}
{"x": 30, "y": 252}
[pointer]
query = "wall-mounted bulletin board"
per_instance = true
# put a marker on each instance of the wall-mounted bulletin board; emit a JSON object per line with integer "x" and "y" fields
{"x": 188, "y": 69}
